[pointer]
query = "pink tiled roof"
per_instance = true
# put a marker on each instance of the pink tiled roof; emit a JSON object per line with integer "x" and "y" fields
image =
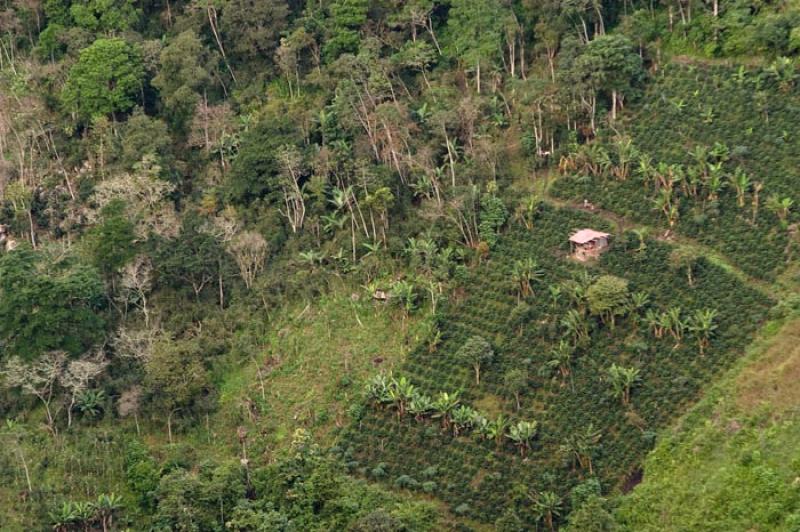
{"x": 587, "y": 235}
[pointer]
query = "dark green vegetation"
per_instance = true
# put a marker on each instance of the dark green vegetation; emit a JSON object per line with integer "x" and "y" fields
{"x": 566, "y": 348}
{"x": 745, "y": 458}
{"x": 304, "y": 265}
{"x": 692, "y": 143}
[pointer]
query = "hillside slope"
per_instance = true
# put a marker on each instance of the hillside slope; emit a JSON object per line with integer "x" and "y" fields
{"x": 732, "y": 463}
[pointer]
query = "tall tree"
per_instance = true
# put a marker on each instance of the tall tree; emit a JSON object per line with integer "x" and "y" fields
{"x": 105, "y": 80}
{"x": 185, "y": 66}
{"x": 346, "y": 19}
{"x": 475, "y": 33}
{"x": 608, "y": 67}
{"x": 48, "y": 305}
{"x": 476, "y": 352}
{"x": 254, "y": 26}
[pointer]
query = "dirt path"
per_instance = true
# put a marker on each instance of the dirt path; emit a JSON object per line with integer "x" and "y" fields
{"x": 774, "y": 290}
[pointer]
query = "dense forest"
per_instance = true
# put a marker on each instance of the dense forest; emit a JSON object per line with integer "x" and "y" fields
{"x": 286, "y": 265}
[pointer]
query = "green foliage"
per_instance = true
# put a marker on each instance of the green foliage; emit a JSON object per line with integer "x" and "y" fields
{"x": 592, "y": 515}
{"x": 622, "y": 379}
{"x": 346, "y": 18}
{"x": 493, "y": 215}
{"x": 476, "y": 352}
{"x": 608, "y": 297}
{"x": 745, "y": 144}
{"x": 746, "y": 460}
{"x": 111, "y": 243}
{"x": 184, "y": 73}
{"x": 175, "y": 374}
{"x": 256, "y": 171}
{"x": 610, "y": 63}
{"x": 254, "y": 27}
{"x": 48, "y": 306}
{"x": 353, "y": 121}
{"x": 475, "y": 31}
{"x": 105, "y": 80}
{"x": 586, "y": 430}
{"x": 142, "y": 474}
{"x": 192, "y": 259}
{"x": 104, "y": 16}
{"x": 143, "y": 135}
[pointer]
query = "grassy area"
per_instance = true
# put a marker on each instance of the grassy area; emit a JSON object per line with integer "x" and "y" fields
{"x": 315, "y": 358}
{"x": 732, "y": 463}
{"x": 312, "y": 368}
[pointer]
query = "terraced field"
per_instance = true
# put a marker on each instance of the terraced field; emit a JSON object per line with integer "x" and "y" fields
{"x": 480, "y": 476}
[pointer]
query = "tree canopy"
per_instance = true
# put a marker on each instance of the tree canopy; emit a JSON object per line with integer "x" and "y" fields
{"x": 106, "y": 79}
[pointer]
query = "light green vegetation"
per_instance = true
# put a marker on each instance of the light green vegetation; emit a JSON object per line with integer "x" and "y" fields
{"x": 313, "y": 365}
{"x": 732, "y": 463}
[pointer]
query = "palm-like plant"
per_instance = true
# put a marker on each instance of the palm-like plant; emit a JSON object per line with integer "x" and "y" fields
{"x": 90, "y": 402}
{"x": 653, "y": 321}
{"x": 576, "y": 326}
{"x": 401, "y": 391}
{"x": 639, "y": 300}
{"x": 420, "y": 406}
{"x": 741, "y": 183}
{"x": 622, "y": 379}
{"x": 674, "y": 323}
{"x": 645, "y": 168}
{"x": 497, "y": 429}
{"x": 716, "y": 181}
{"x": 626, "y": 154}
{"x": 641, "y": 234}
{"x": 580, "y": 446}
{"x": 780, "y": 207}
{"x": 405, "y": 293}
{"x": 462, "y": 418}
{"x": 702, "y": 325}
{"x": 444, "y": 403}
{"x": 522, "y": 434}
{"x": 561, "y": 358}
{"x": 372, "y": 248}
{"x": 482, "y": 426}
{"x": 105, "y": 507}
{"x": 555, "y": 294}
{"x": 64, "y": 517}
{"x": 84, "y": 513}
{"x": 377, "y": 389}
{"x": 525, "y": 273}
{"x": 311, "y": 257}
{"x": 548, "y": 507}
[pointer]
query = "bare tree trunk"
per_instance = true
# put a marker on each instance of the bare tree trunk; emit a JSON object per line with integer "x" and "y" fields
{"x": 613, "y": 105}
{"x": 212, "y": 21}
{"x": 25, "y": 467}
{"x": 450, "y": 156}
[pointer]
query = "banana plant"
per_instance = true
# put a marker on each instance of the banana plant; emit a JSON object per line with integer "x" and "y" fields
{"x": 377, "y": 389}
{"x": 525, "y": 273}
{"x": 420, "y": 406}
{"x": 444, "y": 404}
{"x": 622, "y": 380}
{"x": 462, "y": 418}
{"x": 702, "y": 325}
{"x": 548, "y": 506}
{"x": 522, "y": 434}
{"x": 580, "y": 446}
{"x": 105, "y": 507}
{"x": 401, "y": 391}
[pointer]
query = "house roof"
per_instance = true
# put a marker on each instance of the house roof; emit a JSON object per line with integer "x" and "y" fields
{"x": 587, "y": 235}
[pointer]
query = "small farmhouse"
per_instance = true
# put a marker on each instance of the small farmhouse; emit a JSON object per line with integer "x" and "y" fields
{"x": 588, "y": 244}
